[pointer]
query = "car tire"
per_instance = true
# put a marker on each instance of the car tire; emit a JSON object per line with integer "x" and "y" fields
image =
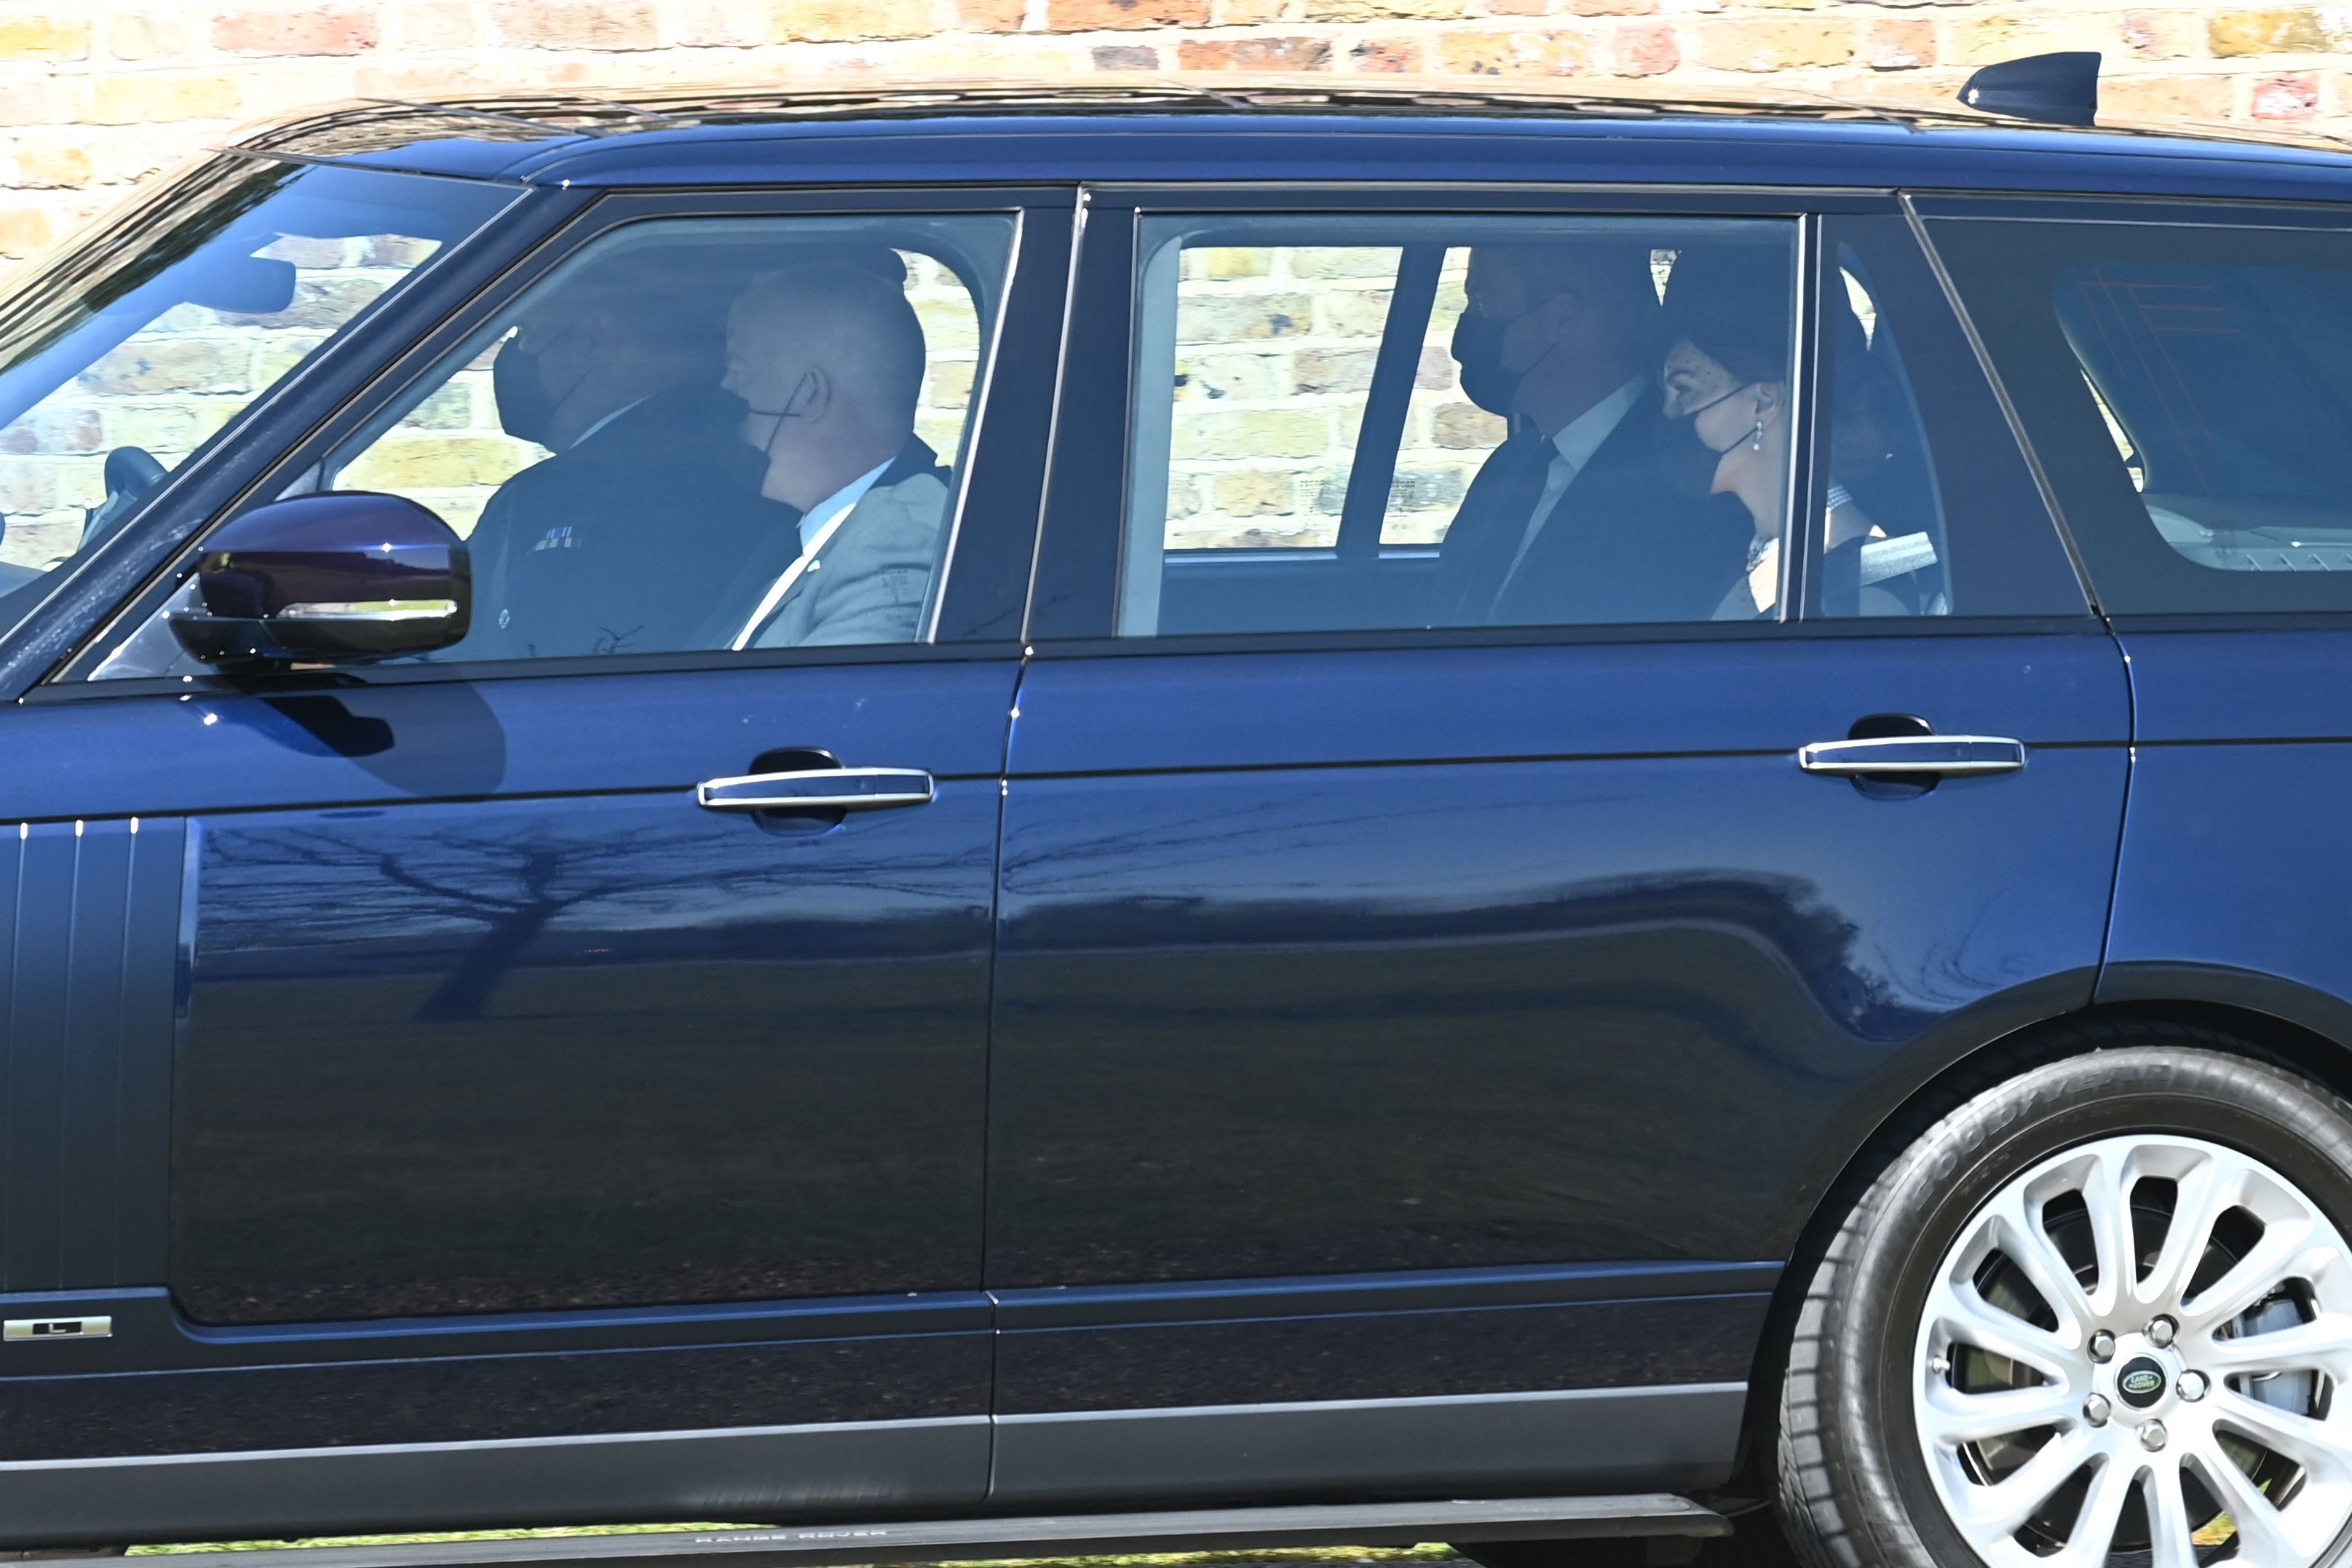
{"x": 1992, "y": 1227}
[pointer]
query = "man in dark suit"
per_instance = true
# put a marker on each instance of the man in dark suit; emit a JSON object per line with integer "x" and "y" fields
{"x": 622, "y": 540}
{"x": 1575, "y": 519}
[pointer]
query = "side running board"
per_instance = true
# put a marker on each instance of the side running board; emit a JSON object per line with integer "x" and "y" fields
{"x": 1058, "y": 1535}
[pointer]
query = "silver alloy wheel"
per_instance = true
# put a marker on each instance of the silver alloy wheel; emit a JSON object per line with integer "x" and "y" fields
{"x": 2094, "y": 1371}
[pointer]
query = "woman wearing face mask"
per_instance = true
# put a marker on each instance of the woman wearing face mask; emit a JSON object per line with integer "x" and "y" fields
{"x": 1726, "y": 384}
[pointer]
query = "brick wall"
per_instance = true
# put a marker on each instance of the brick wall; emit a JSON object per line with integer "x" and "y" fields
{"x": 97, "y": 94}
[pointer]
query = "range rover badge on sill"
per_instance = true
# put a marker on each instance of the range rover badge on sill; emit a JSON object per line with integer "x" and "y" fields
{"x": 56, "y": 1329}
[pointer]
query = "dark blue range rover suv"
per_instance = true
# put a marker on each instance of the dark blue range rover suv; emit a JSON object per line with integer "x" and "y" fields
{"x": 1003, "y": 810}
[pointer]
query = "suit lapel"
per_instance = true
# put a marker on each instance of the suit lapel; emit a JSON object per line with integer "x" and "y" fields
{"x": 1487, "y": 528}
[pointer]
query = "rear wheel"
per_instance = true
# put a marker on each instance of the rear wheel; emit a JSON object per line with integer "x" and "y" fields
{"x": 2102, "y": 1312}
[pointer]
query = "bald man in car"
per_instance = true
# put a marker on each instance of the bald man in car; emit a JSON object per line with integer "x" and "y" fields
{"x": 829, "y": 361}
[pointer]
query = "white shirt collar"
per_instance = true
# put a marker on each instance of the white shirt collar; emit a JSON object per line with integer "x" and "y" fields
{"x": 814, "y": 521}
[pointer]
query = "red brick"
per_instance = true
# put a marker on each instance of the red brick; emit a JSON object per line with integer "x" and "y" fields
{"x": 1385, "y": 55}
{"x": 1646, "y": 48}
{"x": 1255, "y": 54}
{"x": 340, "y": 31}
{"x": 1088, "y": 16}
{"x": 1898, "y": 46}
{"x": 2286, "y": 98}
{"x": 2155, "y": 97}
{"x": 2159, "y": 35}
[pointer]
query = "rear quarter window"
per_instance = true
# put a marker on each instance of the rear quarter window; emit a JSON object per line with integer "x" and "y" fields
{"x": 2188, "y": 389}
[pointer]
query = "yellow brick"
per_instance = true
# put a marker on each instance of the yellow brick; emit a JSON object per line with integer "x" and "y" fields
{"x": 948, "y": 324}
{"x": 1244, "y": 377}
{"x": 43, "y": 38}
{"x": 170, "y": 366}
{"x": 28, "y": 486}
{"x": 1465, "y": 425}
{"x": 157, "y": 429}
{"x": 150, "y": 35}
{"x": 1229, "y": 262}
{"x": 1335, "y": 370}
{"x": 1255, "y": 493}
{"x": 132, "y": 100}
{"x": 1771, "y": 46}
{"x": 1378, "y": 261}
{"x": 2230, "y": 33}
{"x": 827, "y": 21}
{"x": 1532, "y": 52}
{"x": 1242, "y": 318}
{"x": 51, "y": 163}
{"x": 24, "y": 230}
{"x": 1253, "y": 433}
{"x": 579, "y": 24}
{"x": 1358, "y": 314}
{"x": 949, "y": 383}
{"x": 443, "y": 461}
{"x": 1381, "y": 10}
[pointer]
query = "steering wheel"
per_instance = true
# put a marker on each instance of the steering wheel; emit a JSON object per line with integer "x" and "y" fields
{"x": 132, "y": 473}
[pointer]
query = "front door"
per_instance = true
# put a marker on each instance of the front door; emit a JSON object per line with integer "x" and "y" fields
{"x": 538, "y": 1088}
{"x": 1429, "y": 985}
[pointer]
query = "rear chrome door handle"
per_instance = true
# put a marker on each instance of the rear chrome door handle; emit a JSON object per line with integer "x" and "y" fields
{"x": 1947, "y": 756}
{"x": 818, "y": 789}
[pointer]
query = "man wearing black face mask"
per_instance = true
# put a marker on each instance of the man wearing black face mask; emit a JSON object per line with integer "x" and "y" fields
{"x": 622, "y": 540}
{"x": 1572, "y": 519}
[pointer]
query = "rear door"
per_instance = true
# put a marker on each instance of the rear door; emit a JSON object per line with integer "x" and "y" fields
{"x": 524, "y": 1104}
{"x": 2181, "y": 369}
{"x": 1416, "y": 1046}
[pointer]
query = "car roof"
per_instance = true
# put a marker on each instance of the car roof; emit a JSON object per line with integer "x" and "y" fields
{"x": 1402, "y": 130}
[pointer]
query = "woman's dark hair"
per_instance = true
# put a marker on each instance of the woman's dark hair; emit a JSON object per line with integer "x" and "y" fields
{"x": 1732, "y": 304}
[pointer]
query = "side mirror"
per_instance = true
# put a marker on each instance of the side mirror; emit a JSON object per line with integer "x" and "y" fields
{"x": 342, "y": 577}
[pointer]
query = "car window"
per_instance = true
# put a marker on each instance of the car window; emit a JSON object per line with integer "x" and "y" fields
{"x": 2189, "y": 388}
{"x": 1927, "y": 507}
{"x": 137, "y": 350}
{"x": 1351, "y": 422}
{"x": 703, "y": 434}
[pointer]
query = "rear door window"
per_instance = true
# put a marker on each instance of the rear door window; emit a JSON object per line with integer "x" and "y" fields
{"x": 2188, "y": 389}
{"x": 1348, "y": 423}
{"x": 1927, "y": 506}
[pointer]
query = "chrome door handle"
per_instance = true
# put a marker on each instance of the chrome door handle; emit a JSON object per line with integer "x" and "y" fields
{"x": 817, "y": 789}
{"x": 1951, "y": 756}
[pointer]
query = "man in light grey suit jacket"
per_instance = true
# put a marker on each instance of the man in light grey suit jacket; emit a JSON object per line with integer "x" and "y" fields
{"x": 830, "y": 362}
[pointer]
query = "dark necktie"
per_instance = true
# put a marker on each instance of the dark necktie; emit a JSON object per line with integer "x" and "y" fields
{"x": 1487, "y": 528}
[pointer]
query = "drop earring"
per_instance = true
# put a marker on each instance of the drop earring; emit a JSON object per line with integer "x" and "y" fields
{"x": 1756, "y": 437}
